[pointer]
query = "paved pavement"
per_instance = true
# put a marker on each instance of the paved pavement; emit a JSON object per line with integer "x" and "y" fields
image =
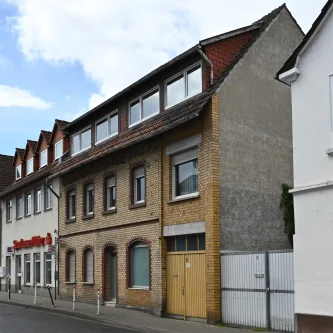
{"x": 124, "y": 318}
{"x": 15, "y": 319}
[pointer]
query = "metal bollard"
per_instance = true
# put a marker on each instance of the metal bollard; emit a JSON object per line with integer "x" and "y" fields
{"x": 74, "y": 297}
{"x": 48, "y": 287}
{"x": 98, "y": 301}
{"x": 9, "y": 288}
{"x": 35, "y": 296}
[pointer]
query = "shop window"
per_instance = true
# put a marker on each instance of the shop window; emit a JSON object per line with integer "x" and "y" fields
{"x": 192, "y": 242}
{"x": 139, "y": 265}
{"x": 27, "y": 268}
{"x": 70, "y": 276}
{"x": 37, "y": 267}
{"x": 88, "y": 272}
{"x": 48, "y": 269}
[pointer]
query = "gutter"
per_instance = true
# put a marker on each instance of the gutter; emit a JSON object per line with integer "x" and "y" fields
{"x": 208, "y": 62}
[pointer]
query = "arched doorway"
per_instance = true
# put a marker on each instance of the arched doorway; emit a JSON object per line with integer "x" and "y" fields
{"x": 110, "y": 274}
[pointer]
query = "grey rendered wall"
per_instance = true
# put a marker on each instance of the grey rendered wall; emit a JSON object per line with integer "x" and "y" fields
{"x": 256, "y": 142}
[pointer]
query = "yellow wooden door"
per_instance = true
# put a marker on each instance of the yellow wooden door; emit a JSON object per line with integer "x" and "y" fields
{"x": 195, "y": 285}
{"x": 175, "y": 284}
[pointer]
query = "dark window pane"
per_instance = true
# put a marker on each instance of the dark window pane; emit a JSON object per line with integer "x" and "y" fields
{"x": 202, "y": 242}
{"x": 187, "y": 178}
{"x": 140, "y": 182}
{"x": 181, "y": 243}
{"x": 192, "y": 242}
{"x": 171, "y": 244}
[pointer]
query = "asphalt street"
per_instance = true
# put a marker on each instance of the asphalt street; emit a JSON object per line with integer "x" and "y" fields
{"x": 15, "y": 319}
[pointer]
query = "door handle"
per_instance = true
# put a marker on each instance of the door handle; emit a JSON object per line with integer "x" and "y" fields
{"x": 182, "y": 288}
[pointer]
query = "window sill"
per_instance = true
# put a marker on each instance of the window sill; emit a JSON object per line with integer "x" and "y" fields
{"x": 100, "y": 142}
{"x": 87, "y": 283}
{"x": 68, "y": 282}
{"x": 110, "y": 211}
{"x": 139, "y": 288}
{"x": 19, "y": 218}
{"x": 144, "y": 119}
{"x": 27, "y": 215}
{"x": 88, "y": 217}
{"x": 167, "y": 107}
{"x": 10, "y": 221}
{"x": 36, "y": 213}
{"x": 329, "y": 152}
{"x": 47, "y": 209}
{"x": 183, "y": 198}
{"x": 81, "y": 151}
{"x": 43, "y": 166}
{"x": 73, "y": 220}
{"x": 137, "y": 205}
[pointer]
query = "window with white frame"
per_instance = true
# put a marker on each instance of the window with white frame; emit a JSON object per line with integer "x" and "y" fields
{"x": 37, "y": 268}
{"x": 38, "y": 200}
{"x": 19, "y": 206}
{"x": 107, "y": 127}
{"x": 48, "y": 269}
{"x": 58, "y": 149}
{"x": 89, "y": 199}
{"x": 48, "y": 197}
{"x": 139, "y": 262}
{"x": 139, "y": 185}
{"x": 81, "y": 141}
{"x": 144, "y": 107}
{"x": 9, "y": 210}
{"x": 184, "y": 85}
{"x": 43, "y": 158}
{"x": 27, "y": 268}
{"x": 70, "y": 274}
{"x": 30, "y": 166}
{"x": 18, "y": 173}
{"x": 88, "y": 266}
{"x": 9, "y": 266}
{"x": 110, "y": 193}
{"x": 28, "y": 204}
{"x": 185, "y": 173}
{"x": 71, "y": 204}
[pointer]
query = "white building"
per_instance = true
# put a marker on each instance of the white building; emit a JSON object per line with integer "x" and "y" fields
{"x": 309, "y": 71}
{"x": 29, "y": 215}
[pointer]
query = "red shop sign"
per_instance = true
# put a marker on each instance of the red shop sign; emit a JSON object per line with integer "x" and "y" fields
{"x": 34, "y": 241}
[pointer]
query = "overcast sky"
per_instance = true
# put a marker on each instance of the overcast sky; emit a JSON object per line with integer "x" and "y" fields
{"x": 59, "y": 58}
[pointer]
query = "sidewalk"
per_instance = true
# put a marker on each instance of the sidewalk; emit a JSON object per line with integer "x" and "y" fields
{"x": 117, "y": 316}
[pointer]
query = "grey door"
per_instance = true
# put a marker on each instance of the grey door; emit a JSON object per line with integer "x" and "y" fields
{"x": 113, "y": 276}
{"x": 18, "y": 273}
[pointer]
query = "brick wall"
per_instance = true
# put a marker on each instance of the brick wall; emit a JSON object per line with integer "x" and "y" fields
{"x": 117, "y": 229}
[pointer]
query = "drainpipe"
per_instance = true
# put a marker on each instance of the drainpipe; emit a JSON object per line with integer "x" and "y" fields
{"x": 55, "y": 280}
{"x": 209, "y": 63}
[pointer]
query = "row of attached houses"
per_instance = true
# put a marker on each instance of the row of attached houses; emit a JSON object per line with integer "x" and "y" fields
{"x": 142, "y": 193}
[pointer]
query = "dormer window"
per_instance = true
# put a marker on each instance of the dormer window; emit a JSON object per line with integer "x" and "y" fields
{"x": 107, "y": 127}
{"x": 43, "y": 158}
{"x": 58, "y": 149}
{"x": 144, "y": 107}
{"x": 81, "y": 141}
{"x": 18, "y": 173}
{"x": 30, "y": 166}
{"x": 184, "y": 85}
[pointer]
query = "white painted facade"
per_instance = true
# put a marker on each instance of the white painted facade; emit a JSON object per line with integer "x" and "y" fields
{"x": 312, "y": 105}
{"x": 37, "y": 224}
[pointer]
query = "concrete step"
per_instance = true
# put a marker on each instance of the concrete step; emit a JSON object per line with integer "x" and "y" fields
{"x": 110, "y": 304}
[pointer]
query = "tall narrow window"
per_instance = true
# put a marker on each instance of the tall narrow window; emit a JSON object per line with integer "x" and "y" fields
{"x": 139, "y": 265}
{"x": 185, "y": 173}
{"x": 81, "y": 141}
{"x": 89, "y": 199}
{"x": 71, "y": 204}
{"x": 38, "y": 200}
{"x": 37, "y": 267}
{"x": 30, "y": 166}
{"x": 19, "y": 207}
{"x": 139, "y": 185}
{"x": 43, "y": 158}
{"x": 184, "y": 85}
{"x": 107, "y": 128}
{"x": 88, "y": 266}
{"x": 48, "y": 269}
{"x": 58, "y": 149}
{"x": 28, "y": 204}
{"x": 18, "y": 173}
{"x": 48, "y": 197}
{"x": 8, "y": 266}
{"x": 144, "y": 107}
{"x": 110, "y": 193}
{"x": 9, "y": 210}
{"x": 70, "y": 266}
{"x": 27, "y": 268}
